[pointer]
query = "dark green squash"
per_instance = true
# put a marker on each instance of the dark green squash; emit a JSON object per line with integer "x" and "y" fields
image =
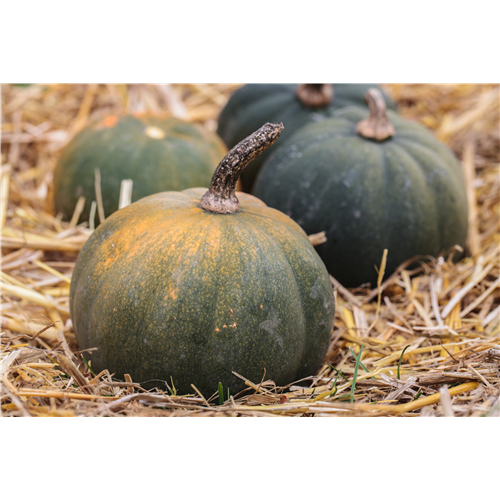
{"x": 168, "y": 290}
{"x": 294, "y": 105}
{"x": 370, "y": 185}
{"x": 158, "y": 154}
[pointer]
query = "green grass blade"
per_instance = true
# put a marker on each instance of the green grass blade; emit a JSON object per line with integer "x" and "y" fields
{"x": 356, "y": 358}
{"x": 88, "y": 365}
{"x": 401, "y": 359}
{"x": 338, "y": 372}
{"x": 334, "y": 387}
{"x": 358, "y": 361}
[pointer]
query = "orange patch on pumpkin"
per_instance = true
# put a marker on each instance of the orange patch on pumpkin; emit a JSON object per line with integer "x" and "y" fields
{"x": 108, "y": 122}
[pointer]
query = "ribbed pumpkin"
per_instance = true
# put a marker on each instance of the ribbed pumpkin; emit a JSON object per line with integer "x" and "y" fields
{"x": 294, "y": 105}
{"x": 158, "y": 154}
{"x": 189, "y": 287}
{"x": 370, "y": 185}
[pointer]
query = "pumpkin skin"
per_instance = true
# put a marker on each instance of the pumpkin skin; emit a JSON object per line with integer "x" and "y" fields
{"x": 158, "y": 154}
{"x": 406, "y": 194}
{"x": 164, "y": 288}
{"x": 254, "y": 104}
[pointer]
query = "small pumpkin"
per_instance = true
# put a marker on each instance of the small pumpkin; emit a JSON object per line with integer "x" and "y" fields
{"x": 371, "y": 184}
{"x": 294, "y": 105}
{"x": 158, "y": 154}
{"x": 190, "y": 286}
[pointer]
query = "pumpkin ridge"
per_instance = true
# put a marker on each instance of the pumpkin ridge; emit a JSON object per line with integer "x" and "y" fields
{"x": 277, "y": 242}
{"x": 444, "y": 154}
{"x": 217, "y": 298}
{"x": 378, "y": 214}
{"x": 417, "y": 173}
{"x": 335, "y": 233}
{"x": 248, "y": 232}
{"x": 390, "y": 171}
{"x": 309, "y": 313}
{"x": 451, "y": 177}
{"x": 222, "y": 257}
{"x": 386, "y": 196}
{"x": 287, "y": 250}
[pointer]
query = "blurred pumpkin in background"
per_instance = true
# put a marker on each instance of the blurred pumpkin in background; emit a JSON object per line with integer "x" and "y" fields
{"x": 156, "y": 153}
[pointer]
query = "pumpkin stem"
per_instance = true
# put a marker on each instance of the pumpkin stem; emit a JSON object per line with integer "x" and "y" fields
{"x": 315, "y": 95}
{"x": 376, "y": 126}
{"x": 220, "y": 197}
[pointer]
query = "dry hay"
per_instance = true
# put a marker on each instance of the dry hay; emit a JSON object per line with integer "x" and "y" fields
{"x": 429, "y": 341}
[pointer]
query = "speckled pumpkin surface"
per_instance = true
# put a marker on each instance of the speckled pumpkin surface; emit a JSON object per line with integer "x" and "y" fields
{"x": 167, "y": 289}
{"x": 158, "y": 154}
{"x": 405, "y": 194}
{"x": 255, "y": 104}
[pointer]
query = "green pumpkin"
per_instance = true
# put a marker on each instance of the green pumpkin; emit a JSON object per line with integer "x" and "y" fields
{"x": 294, "y": 105}
{"x": 158, "y": 154}
{"x": 403, "y": 191}
{"x": 168, "y": 290}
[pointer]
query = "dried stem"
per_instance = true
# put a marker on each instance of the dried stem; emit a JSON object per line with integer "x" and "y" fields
{"x": 220, "y": 197}
{"x": 315, "y": 95}
{"x": 376, "y": 126}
